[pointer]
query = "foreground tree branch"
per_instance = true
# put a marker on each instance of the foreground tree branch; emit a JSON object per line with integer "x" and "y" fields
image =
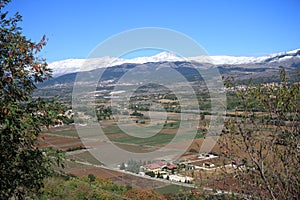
{"x": 266, "y": 136}
{"x": 23, "y": 166}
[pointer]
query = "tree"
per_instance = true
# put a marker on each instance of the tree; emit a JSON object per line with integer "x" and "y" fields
{"x": 143, "y": 194}
{"x": 23, "y": 166}
{"x": 265, "y": 139}
{"x": 122, "y": 166}
{"x": 91, "y": 177}
{"x": 150, "y": 173}
{"x": 158, "y": 175}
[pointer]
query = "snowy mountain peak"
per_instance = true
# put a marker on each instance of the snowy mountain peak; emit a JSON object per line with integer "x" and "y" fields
{"x": 161, "y": 57}
{"x": 166, "y": 56}
{"x": 296, "y": 51}
{"x": 75, "y": 65}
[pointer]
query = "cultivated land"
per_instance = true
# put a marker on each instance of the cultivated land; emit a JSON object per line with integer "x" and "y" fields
{"x": 211, "y": 171}
{"x": 81, "y": 162}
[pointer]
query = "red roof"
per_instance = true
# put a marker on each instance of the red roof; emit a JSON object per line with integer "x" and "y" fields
{"x": 172, "y": 166}
{"x": 153, "y": 165}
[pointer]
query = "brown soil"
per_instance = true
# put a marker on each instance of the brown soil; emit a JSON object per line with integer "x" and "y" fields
{"x": 138, "y": 182}
{"x": 98, "y": 172}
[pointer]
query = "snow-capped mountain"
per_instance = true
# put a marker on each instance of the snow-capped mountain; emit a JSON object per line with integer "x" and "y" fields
{"x": 161, "y": 57}
{"x": 235, "y": 60}
{"x": 75, "y": 65}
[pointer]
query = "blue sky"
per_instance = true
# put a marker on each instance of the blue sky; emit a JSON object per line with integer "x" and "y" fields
{"x": 229, "y": 27}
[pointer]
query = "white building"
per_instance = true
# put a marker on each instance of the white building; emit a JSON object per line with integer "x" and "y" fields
{"x": 178, "y": 178}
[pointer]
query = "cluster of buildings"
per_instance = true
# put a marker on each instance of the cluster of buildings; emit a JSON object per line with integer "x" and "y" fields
{"x": 166, "y": 171}
{"x": 176, "y": 170}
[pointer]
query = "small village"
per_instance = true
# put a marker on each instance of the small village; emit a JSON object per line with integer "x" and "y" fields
{"x": 182, "y": 171}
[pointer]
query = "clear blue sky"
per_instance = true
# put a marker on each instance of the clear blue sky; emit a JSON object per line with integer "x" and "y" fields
{"x": 229, "y": 27}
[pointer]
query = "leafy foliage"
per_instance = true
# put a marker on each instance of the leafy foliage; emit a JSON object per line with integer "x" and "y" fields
{"x": 265, "y": 139}
{"x": 23, "y": 166}
{"x": 143, "y": 194}
{"x": 84, "y": 188}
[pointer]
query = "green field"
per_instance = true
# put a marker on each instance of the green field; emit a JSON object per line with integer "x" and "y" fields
{"x": 85, "y": 156}
{"x": 66, "y": 132}
{"x": 158, "y": 139}
{"x": 113, "y": 132}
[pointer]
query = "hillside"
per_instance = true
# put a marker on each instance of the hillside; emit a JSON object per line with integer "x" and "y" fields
{"x": 261, "y": 69}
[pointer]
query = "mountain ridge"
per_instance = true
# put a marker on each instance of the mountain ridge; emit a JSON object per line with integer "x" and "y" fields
{"x": 75, "y": 65}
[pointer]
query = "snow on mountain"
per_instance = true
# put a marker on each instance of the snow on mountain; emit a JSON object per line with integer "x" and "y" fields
{"x": 234, "y": 60}
{"x": 219, "y": 60}
{"x": 165, "y": 56}
{"x": 293, "y": 51}
{"x": 76, "y": 65}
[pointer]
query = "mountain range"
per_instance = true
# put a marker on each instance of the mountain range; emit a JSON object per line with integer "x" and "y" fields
{"x": 75, "y": 65}
{"x": 260, "y": 69}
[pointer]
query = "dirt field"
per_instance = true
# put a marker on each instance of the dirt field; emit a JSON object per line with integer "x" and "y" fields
{"x": 98, "y": 172}
{"x": 82, "y": 170}
{"x": 138, "y": 182}
{"x": 59, "y": 142}
{"x": 68, "y": 141}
